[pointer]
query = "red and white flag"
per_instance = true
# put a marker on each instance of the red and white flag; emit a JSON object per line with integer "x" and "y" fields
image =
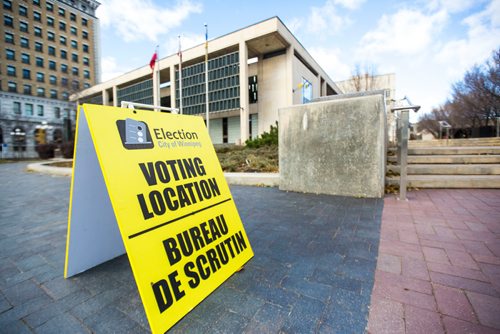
{"x": 153, "y": 61}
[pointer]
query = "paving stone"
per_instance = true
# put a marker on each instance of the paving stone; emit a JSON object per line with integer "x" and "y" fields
{"x": 386, "y": 316}
{"x": 422, "y": 321}
{"x": 435, "y": 255}
{"x": 111, "y": 320}
{"x": 453, "y": 302}
{"x": 389, "y": 263}
{"x": 457, "y": 271}
{"x": 456, "y": 326}
{"x": 463, "y": 283}
{"x": 64, "y": 323}
{"x": 487, "y": 308}
{"x": 23, "y": 292}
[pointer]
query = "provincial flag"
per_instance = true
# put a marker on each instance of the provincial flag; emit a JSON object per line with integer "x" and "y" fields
{"x": 153, "y": 61}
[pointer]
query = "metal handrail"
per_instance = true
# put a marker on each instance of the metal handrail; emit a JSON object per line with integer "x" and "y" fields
{"x": 132, "y": 105}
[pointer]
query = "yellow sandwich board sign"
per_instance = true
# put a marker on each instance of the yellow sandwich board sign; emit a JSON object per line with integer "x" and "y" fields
{"x": 150, "y": 184}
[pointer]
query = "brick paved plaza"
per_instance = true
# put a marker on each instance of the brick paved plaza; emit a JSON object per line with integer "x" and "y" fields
{"x": 315, "y": 264}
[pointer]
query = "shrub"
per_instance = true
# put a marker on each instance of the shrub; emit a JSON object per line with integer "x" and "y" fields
{"x": 67, "y": 149}
{"x": 266, "y": 139}
{"x": 45, "y": 151}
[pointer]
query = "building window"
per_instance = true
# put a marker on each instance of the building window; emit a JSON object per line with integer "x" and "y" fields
{"x": 52, "y": 51}
{"x": 57, "y": 112}
{"x": 26, "y": 74}
{"x": 86, "y": 74}
{"x": 9, "y": 38}
{"x": 12, "y": 86}
{"x": 49, "y": 6}
{"x": 51, "y": 36}
{"x": 11, "y": 71}
{"x": 23, "y": 11}
{"x": 62, "y": 40}
{"x": 74, "y": 31}
{"x": 23, "y": 26}
{"x": 85, "y": 48}
{"x": 25, "y": 42}
{"x": 50, "y": 21}
{"x": 39, "y": 109}
{"x": 65, "y": 95}
{"x": 252, "y": 89}
{"x": 8, "y": 21}
{"x": 75, "y": 84}
{"x": 25, "y": 58}
{"x": 40, "y": 92}
{"x": 72, "y": 17}
{"x": 36, "y": 2}
{"x": 52, "y": 65}
{"x": 84, "y": 22}
{"x": 307, "y": 91}
{"x": 85, "y": 35}
{"x": 61, "y": 12}
{"x": 39, "y": 61}
{"x": 38, "y": 47}
{"x": 86, "y": 85}
{"x": 53, "y": 80}
{"x": 62, "y": 26}
{"x": 38, "y": 32}
{"x": 7, "y": 4}
{"x": 74, "y": 70}
{"x": 18, "y": 139}
{"x": 64, "y": 82}
{"x": 74, "y": 57}
{"x": 37, "y": 16}
{"x": 74, "y": 44}
{"x": 17, "y": 108}
{"x": 86, "y": 61}
{"x": 53, "y": 94}
{"x": 28, "y": 109}
{"x": 40, "y": 77}
{"x": 27, "y": 89}
{"x": 64, "y": 54}
{"x": 10, "y": 54}
{"x": 64, "y": 68}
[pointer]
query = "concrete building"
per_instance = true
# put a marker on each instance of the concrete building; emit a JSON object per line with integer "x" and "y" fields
{"x": 253, "y": 72}
{"x": 49, "y": 50}
{"x": 366, "y": 83}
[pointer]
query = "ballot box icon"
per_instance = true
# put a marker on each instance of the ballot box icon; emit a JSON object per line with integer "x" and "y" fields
{"x": 134, "y": 134}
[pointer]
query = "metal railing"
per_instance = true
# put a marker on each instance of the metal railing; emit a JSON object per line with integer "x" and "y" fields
{"x": 133, "y": 105}
{"x": 403, "y": 123}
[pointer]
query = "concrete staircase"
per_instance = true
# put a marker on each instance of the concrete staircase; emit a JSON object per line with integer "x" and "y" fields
{"x": 453, "y": 163}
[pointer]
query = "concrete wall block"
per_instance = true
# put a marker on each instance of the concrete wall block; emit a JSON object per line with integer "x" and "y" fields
{"x": 334, "y": 147}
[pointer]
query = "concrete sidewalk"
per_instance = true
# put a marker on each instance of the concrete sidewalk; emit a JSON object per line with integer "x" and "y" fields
{"x": 438, "y": 269}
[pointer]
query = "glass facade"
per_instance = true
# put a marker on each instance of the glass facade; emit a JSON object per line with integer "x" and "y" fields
{"x": 141, "y": 92}
{"x": 223, "y": 85}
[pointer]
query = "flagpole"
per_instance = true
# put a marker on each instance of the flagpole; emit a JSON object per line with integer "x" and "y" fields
{"x": 206, "y": 78}
{"x": 180, "y": 75}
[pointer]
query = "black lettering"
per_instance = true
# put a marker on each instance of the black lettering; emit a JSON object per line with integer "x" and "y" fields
{"x": 168, "y": 193}
{"x": 157, "y": 133}
{"x": 144, "y": 208}
{"x": 213, "y": 260}
{"x": 214, "y": 187}
{"x": 183, "y": 197}
{"x": 213, "y": 229}
{"x": 148, "y": 173}
{"x": 204, "y": 274}
{"x": 175, "y": 284}
{"x": 198, "y": 164}
{"x": 221, "y": 221}
{"x": 221, "y": 251}
{"x": 228, "y": 244}
{"x": 240, "y": 240}
{"x": 206, "y": 233}
{"x": 181, "y": 168}
{"x": 173, "y": 253}
{"x": 189, "y": 187}
{"x": 195, "y": 278}
{"x": 172, "y": 163}
{"x": 185, "y": 243}
{"x": 196, "y": 237}
{"x": 205, "y": 189}
{"x": 162, "y": 171}
{"x": 189, "y": 167}
{"x": 157, "y": 202}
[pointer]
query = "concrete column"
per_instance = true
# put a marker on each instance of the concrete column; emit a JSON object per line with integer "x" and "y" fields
{"x": 115, "y": 96}
{"x": 105, "y": 97}
{"x": 290, "y": 86}
{"x": 172, "y": 86}
{"x": 244, "y": 101}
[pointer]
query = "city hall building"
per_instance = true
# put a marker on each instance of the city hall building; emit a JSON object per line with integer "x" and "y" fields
{"x": 49, "y": 50}
{"x": 252, "y": 72}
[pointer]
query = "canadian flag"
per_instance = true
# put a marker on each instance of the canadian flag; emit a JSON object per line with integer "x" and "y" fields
{"x": 153, "y": 61}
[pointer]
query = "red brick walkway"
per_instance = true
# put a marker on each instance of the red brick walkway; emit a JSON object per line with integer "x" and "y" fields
{"x": 438, "y": 269}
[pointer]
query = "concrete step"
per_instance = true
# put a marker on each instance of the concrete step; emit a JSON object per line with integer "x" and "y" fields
{"x": 449, "y": 181}
{"x": 451, "y": 169}
{"x": 456, "y": 150}
{"x": 450, "y": 159}
{"x": 490, "y": 141}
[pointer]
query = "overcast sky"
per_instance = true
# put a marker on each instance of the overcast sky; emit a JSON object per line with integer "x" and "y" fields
{"x": 427, "y": 44}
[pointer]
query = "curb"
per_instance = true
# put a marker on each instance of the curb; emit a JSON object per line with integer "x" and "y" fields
{"x": 241, "y": 179}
